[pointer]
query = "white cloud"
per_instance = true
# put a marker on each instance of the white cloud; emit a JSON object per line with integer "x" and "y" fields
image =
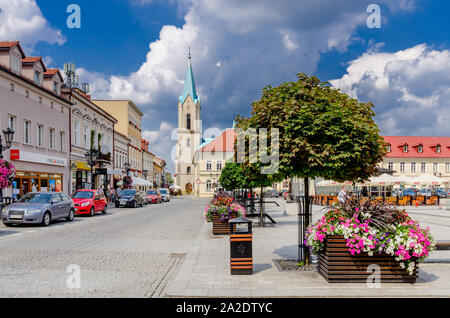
{"x": 410, "y": 89}
{"x": 238, "y": 47}
{"x": 23, "y": 20}
{"x": 161, "y": 142}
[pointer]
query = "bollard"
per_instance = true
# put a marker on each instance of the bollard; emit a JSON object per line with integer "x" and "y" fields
{"x": 241, "y": 254}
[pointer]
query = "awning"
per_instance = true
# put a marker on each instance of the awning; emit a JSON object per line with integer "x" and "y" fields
{"x": 140, "y": 182}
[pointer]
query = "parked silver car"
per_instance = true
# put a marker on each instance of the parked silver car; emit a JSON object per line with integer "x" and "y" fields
{"x": 165, "y": 194}
{"x": 39, "y": 207}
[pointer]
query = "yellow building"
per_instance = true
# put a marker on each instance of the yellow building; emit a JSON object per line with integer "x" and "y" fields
{"x": 129, "y": 123}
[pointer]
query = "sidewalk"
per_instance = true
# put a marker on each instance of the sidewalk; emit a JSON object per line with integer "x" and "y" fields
{"x": 205, "y": 271}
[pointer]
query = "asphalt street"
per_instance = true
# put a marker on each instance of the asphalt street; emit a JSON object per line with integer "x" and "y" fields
{"x": 125, "y": 253}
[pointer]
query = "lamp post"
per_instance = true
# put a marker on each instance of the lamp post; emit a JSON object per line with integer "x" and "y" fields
{"x": 91, "y": 158}
{"x": 8, "y": 134}
{"x": 127, "y": 168}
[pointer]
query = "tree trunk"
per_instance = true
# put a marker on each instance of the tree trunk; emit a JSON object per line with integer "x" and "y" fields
{"x": 261, "y": 210}
{"x": 307, "y": 220}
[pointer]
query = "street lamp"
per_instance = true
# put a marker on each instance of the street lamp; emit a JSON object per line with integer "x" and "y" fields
{"x": 91, "y": 158}
{"x": 8, "y": 134}
{"x": 127, "y": 168}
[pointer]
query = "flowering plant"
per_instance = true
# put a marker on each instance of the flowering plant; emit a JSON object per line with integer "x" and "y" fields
{"x": 396, "y": 235}
{"x": 7, "y": 173}
{"x": 224, "y": 211}
{"x": 127, "y": 182}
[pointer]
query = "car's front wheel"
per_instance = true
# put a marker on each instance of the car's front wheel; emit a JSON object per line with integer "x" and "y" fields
{"x": 70, "y": 217}
{"x": 46, "y": 219}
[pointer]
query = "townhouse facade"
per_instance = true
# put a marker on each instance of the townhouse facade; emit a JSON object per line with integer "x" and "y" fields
{"x": 32, "y": 105}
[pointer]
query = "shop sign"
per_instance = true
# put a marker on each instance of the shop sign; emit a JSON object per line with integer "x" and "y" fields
{"x": 38, "y": 158}
{"x": 83, "y": 165}
{"x": 14, "y": 154}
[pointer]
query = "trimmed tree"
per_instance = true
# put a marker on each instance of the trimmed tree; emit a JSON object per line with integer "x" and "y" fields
{"x": 323, "y": 133}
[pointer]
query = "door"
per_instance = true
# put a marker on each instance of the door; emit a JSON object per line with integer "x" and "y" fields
{"x": 57, "y": 207}
{"x": 66, "y": 203}
{"x": 97, "y": 202}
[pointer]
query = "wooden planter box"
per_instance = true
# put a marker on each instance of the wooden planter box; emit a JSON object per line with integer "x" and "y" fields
{"x": 338, "y": 265}
{"x": 222, "y": 228}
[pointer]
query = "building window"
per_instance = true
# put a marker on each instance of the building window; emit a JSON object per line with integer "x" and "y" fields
{"x": 219, "y": 165}
{"x": 40, "y": 135}
{"x": 435, "y": 167}
{"x": 402, "y": 167}
{"x": 388, "y": 148}
{"x": 420, "y": 149}
{"x": 447, "y": 167}
{"x": 405, "y": 148}
{"x": 26, "y": 132}
{"x": 188, "y": 171}
{"x": 438, "y": 149}
{"x": 55, "y": 88}
{"x": 76, "y": 133}
{"x": 188, "y": 121}
{"x": 85, "y": 138}
{"x": 423, "y": 166}
{"x": 208, "y": 185}
{"x": 40, "y": 100}
{"x": 413, "y": 167}
{"x": 52, "y": 138}
{"x": 37, "y": 77}
{"x": 208, "y": 166}
{"x": 15, "y": 64}
{"x": 61, "y": 141}
{"x": 12, "y": 124}
{"x": 12, "y": 87}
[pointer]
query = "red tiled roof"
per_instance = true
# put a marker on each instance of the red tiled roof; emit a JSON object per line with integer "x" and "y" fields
{"x": 34, "y": 59}
{"x": 11, "y": 44}
{"x": 8, "y": 43}
{"x": 429, "y": 147}
{"x": 52, "y": 71}
{"x": 223, "y": 143}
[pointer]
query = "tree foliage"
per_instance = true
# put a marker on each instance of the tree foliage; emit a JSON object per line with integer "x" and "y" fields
{"x": 323, "y": 132}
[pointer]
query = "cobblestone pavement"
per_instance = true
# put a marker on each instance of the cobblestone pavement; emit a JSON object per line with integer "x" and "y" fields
{"x": 205, "y": 271}
{"x": 126, "y": 253}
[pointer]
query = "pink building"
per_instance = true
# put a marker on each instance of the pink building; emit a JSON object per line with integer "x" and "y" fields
{"x": 32, "y": 105}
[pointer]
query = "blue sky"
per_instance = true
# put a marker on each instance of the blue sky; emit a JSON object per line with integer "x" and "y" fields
{"x": 137, "y": 49}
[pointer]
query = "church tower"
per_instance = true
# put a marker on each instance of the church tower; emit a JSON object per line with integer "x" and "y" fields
{"x": 189, "y": 132}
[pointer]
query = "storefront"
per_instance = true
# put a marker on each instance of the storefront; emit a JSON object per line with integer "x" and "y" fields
{"x": 38, "y": 172}
{"x": 80, "y": 175}
{"x": 25, "y": 182}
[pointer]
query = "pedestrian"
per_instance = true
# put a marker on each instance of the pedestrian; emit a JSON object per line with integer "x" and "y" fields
{"x": 33, "y": 188}
{"x": 342, "y": 196}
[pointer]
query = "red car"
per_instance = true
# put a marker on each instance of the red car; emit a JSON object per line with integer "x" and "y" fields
{"x": 89, "y": 202}
{"x": 154, "y": 196}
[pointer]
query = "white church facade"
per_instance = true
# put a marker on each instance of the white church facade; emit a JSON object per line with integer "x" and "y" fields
{"x": 198, "y": 161}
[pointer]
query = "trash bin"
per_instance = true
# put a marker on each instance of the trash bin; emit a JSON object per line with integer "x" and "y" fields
{"x": 241, "y": 255}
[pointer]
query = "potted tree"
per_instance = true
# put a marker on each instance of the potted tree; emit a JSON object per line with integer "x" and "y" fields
{"x": 323, "y": 133}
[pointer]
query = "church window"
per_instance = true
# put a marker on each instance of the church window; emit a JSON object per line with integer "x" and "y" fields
{"x": 188, "y": 121}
